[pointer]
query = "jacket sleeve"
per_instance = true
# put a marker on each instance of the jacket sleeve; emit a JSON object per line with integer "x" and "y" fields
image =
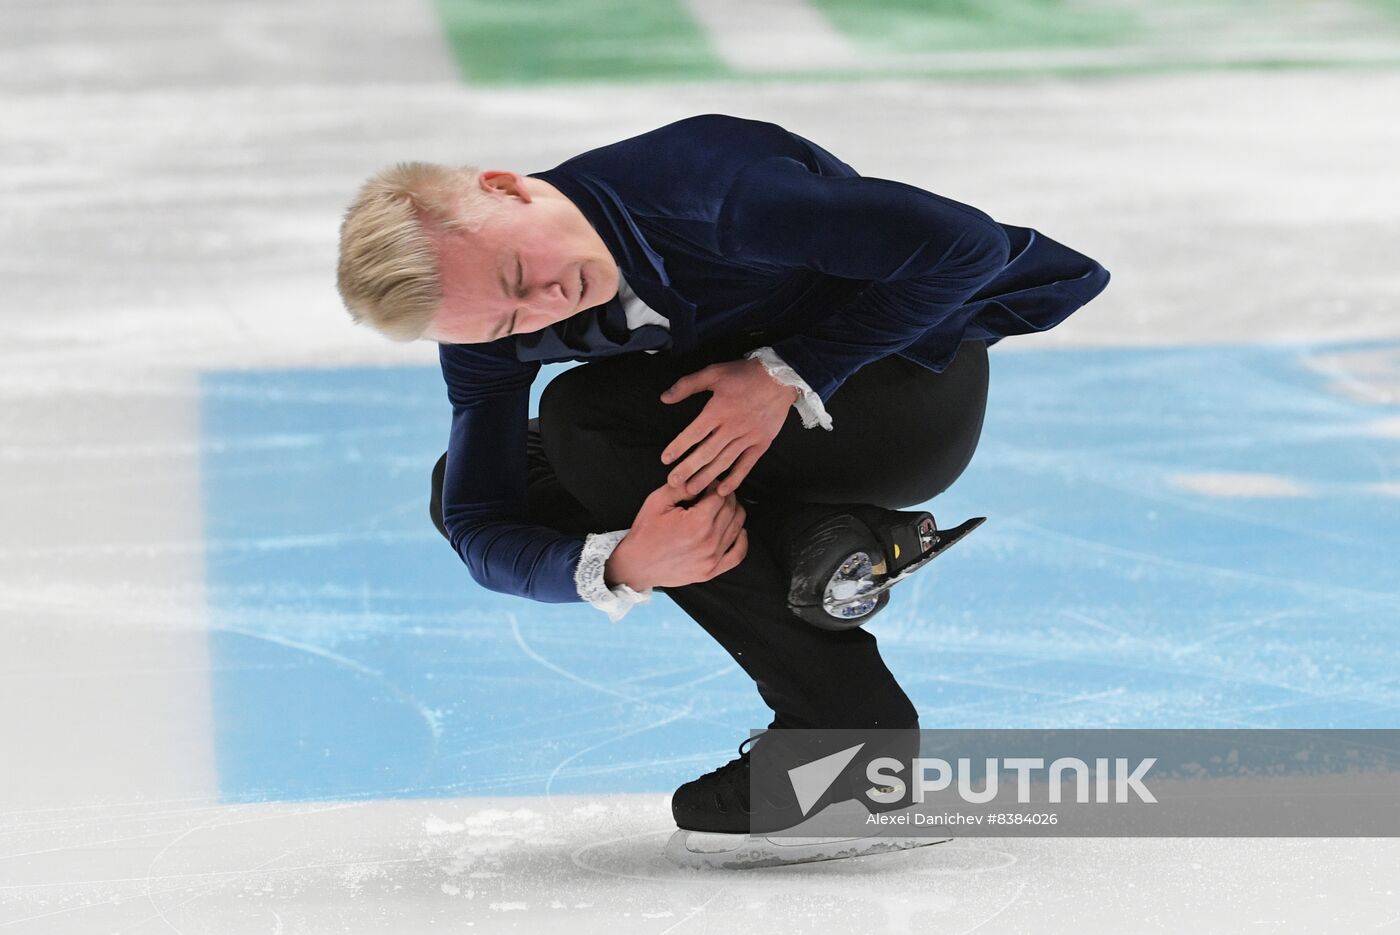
{"x": 924, "y": 255}
{"x": 483, "y": 496}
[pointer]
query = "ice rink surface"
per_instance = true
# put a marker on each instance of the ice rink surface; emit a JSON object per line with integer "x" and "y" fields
{"x": 245, "y": 687}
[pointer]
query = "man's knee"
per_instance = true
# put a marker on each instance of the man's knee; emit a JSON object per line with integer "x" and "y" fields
{"x": 603, "y": 427}
{"x": 564, "y": 413}
{"x": 435, "y": 498}
{"x": 602, "y": 403}
{"x": 599, "y": 386}
{"x": 562, "y": 403}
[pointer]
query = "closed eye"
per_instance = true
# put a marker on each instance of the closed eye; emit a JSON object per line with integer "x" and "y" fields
{"x": 519, "y": 294}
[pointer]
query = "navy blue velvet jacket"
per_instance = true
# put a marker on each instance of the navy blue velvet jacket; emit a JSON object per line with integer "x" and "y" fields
{"x": 729, "y": 226}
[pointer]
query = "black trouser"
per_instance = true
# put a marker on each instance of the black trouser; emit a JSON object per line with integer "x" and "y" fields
{"x": 901, "y": 434}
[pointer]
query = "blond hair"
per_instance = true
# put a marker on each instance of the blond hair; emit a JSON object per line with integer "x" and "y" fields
{"x": 388, "y": 270}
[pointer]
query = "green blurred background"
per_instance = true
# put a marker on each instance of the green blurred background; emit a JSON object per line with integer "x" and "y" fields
{"x": 571, "y": 40}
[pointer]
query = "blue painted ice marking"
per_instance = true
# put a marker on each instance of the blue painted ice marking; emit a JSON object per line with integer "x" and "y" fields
{"x": 353, "y": 656}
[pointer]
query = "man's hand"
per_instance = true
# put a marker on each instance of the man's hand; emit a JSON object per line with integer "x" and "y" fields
{"x": 746, "y": 411}
{"x": 670, "y": 545}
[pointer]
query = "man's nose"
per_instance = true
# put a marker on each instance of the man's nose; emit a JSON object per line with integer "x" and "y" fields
{"x": 545, "y": 306}
{"x": 549, "y": 295}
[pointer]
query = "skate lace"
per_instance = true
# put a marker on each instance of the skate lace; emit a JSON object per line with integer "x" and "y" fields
{"x": 742, "y": 760}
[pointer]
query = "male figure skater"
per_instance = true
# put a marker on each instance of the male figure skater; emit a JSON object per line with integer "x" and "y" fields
{"x": 774, "y": 342}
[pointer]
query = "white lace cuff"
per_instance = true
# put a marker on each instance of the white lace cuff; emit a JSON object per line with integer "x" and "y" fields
{"x": 592, "y": 585}
{"x": 808, "y": 404}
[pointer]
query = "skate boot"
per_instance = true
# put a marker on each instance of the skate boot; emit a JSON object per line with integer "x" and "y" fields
{"x": 716, "y": 825}
{"x": 844, "y": 564}
{"x": 717, "y": 802}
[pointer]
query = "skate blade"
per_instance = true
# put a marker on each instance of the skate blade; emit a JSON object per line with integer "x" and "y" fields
{"x": 705, "y": 851}
{"x": 715, "y": 851}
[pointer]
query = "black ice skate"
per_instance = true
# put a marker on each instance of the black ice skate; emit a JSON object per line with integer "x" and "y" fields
{"x": 719, "y": 800}
{"x": 717, "y": 830}
{"x": 844, "y": 564}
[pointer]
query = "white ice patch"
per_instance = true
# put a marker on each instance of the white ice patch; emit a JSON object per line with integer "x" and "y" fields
{"x": 777, "y": 35}
{"x": 1384, "y": 428}
{"x": 1369, "y": 375}
{"x": 435, "y": 825}
{"x": 1240, "y": 484}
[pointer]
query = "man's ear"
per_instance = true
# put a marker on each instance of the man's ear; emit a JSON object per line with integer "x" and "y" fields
{"x": 504, "y": 182}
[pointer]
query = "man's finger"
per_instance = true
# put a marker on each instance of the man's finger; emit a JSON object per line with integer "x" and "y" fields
{"x": 688, "y": 385}
{"x": 691, "y": 435}
{"x": 709, "y": 465}
{"x": 728, "y": 506}
{"x": 735, "y": 555}
{"x": 691, "y": 474}
{"x": 707, "y": 500}
{"x": 668, "y": 495}
{"x": 739, "y": 471}
{"x": 734, "y": 521}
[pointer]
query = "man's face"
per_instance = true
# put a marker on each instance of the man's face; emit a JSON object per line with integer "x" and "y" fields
{"x": 535, "y": 262}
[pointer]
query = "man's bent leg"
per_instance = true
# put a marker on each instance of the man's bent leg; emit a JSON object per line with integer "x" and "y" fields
{"x": 604, "y": 427}
{"x": 901, "y": 434}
